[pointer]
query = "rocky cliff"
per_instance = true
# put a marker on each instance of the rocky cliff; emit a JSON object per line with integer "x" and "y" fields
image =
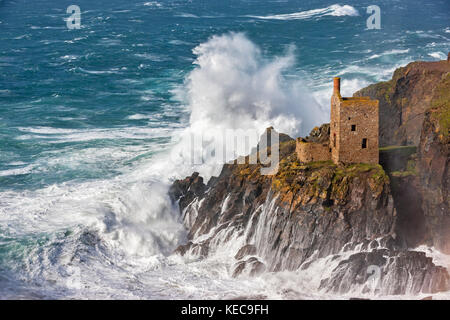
{"x": 405, "y": 99}
{"x": 433, "y": 166}
{"x": 359, "y": 222}
{"x": 415, "y": 110}
{"x": 304, "y": 213}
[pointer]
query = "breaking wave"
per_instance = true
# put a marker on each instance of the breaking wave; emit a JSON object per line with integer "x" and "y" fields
{"x": 235, "y": 87}
{"x": 121, "y": 230}
{"x": 333, "y": 10}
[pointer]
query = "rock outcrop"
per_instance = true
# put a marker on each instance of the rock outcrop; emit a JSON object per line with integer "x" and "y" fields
{"x": 433, "y": 166}
{"x": 303, "y": 213}
{"x": 419, "y": 93}
{"x": 404, "y": 100}
{"x": 357, "y": 220}
{"x": 390, "y": 272}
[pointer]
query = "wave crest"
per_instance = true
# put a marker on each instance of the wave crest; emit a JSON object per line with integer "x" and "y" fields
{"x": 333, "y": 10}
{"x": 235, "y": 87}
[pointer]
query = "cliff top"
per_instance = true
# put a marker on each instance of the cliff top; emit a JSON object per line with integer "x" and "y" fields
{"x": 404, "y": 100}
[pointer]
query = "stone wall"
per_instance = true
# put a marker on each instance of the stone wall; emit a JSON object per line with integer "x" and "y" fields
{"x": 359, "y": 121}
{"x": 310, "y": 151}
{"x": 353, "y": 129}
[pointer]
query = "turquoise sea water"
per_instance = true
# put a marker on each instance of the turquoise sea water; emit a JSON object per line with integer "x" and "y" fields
{"x": 85, "y": 115}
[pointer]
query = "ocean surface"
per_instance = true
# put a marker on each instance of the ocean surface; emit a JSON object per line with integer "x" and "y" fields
{"x": 93, "y": 120}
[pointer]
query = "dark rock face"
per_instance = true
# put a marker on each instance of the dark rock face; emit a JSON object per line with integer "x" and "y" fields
{"x": 389, "y": 272}
{"x": 415, "y": 110}
{"x": 400, "y": 164}
{"x": 433, "y": 166}
{"x": 404, "y": 100}
{"x": 187, "y": 190}
{"x": 319, "y": 134}
{"x": 356, "y": 218}
{"x": 411, "y": 220}
{"x": 303, "y": 213}
{"x": 247, "y": 250}
{"x": 252, "y": 267}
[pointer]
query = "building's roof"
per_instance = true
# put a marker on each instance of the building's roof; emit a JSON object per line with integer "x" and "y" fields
{"x": 356, "y": 98}
{"x": 349, "y": 101}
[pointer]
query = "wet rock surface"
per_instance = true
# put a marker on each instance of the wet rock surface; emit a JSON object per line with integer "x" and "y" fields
{"x": 357, "y": 217}
{"x": 306, "y": 212}
{"x": 388, "y": 272}
{"x": 433, "y": 166}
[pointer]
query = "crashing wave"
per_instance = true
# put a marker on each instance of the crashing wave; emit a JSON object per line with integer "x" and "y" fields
{"x": 333, "y": 10}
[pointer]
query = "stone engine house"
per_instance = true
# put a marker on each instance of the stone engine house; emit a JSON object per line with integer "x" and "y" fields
{"x": 353, "y": 132}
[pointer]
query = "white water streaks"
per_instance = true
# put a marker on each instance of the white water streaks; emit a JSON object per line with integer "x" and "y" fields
{"x": 235, "y": 87}
{"x": 113, "y": 237}
{"x": 333, "y": 10}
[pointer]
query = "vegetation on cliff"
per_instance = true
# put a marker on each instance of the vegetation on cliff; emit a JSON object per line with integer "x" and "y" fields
{"x": 325, "y": 179}
{"x": 405, "y": 99}
{"x": 307, "y": 211}
{"x": 440, "y": 108}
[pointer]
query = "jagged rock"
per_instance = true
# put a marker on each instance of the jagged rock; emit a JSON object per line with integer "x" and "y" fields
{"x": 304, "y": 212}
{"x": 387, "y": 272}
{"x": 319, "y": 134}
{"x": 411, "y": 220}
{"x": 247, "y": 250}
{"x": 404, "y": 100}
{"x": 433, "y": 166}
{"x": 414, "y": 109}
{"x": 307, "y": 212}
{"x": 187, "y": 190}
{"x": 264, "y": 143}
{"x": 250, "y": 267}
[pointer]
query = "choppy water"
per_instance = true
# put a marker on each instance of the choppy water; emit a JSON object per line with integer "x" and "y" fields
{"x": 88, "y": 117}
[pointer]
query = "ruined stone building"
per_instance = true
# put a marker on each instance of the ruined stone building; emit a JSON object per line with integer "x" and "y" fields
{"x": 353, "y": 132}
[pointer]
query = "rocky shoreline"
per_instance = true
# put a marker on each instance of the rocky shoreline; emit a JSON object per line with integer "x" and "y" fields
{"x": 361, "y": 220}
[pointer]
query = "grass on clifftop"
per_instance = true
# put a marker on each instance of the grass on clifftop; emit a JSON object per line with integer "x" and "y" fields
{"x": 315, "y": 178}
{"x": 411, "y": 149}
{"x": 292, "y": 175}
{"x": 441, "y": 106}
{"x": 399, "y": 161}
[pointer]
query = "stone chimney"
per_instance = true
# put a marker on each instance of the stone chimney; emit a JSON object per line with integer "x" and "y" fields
{"x": 337, "y": 85}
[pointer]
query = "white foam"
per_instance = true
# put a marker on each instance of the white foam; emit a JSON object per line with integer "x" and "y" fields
{"x": 138, "y": 116}
{"x": 438, "y": 55}
{"x": 153, "y": 4}
{"x": 57, "y": 135}
{"x": 131, "y": 214}
{"x": 333, "y": 10}
{"x": 178, "y": 42}
{"x": 235, "y": 87}
{"x": 17, "y": 171}
{"x": 186, "y": 15}
{"x": 111, "y": 71}
{"x": 349, "y": 86}
{"x": 389, "y": 52}
{"x": 439, "y": 258}
{"x": 152, "y": 57}
{"x": 69, "y": 57}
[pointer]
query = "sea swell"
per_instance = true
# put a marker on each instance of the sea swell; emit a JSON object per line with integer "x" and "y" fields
{"x": 92, "y": 136}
